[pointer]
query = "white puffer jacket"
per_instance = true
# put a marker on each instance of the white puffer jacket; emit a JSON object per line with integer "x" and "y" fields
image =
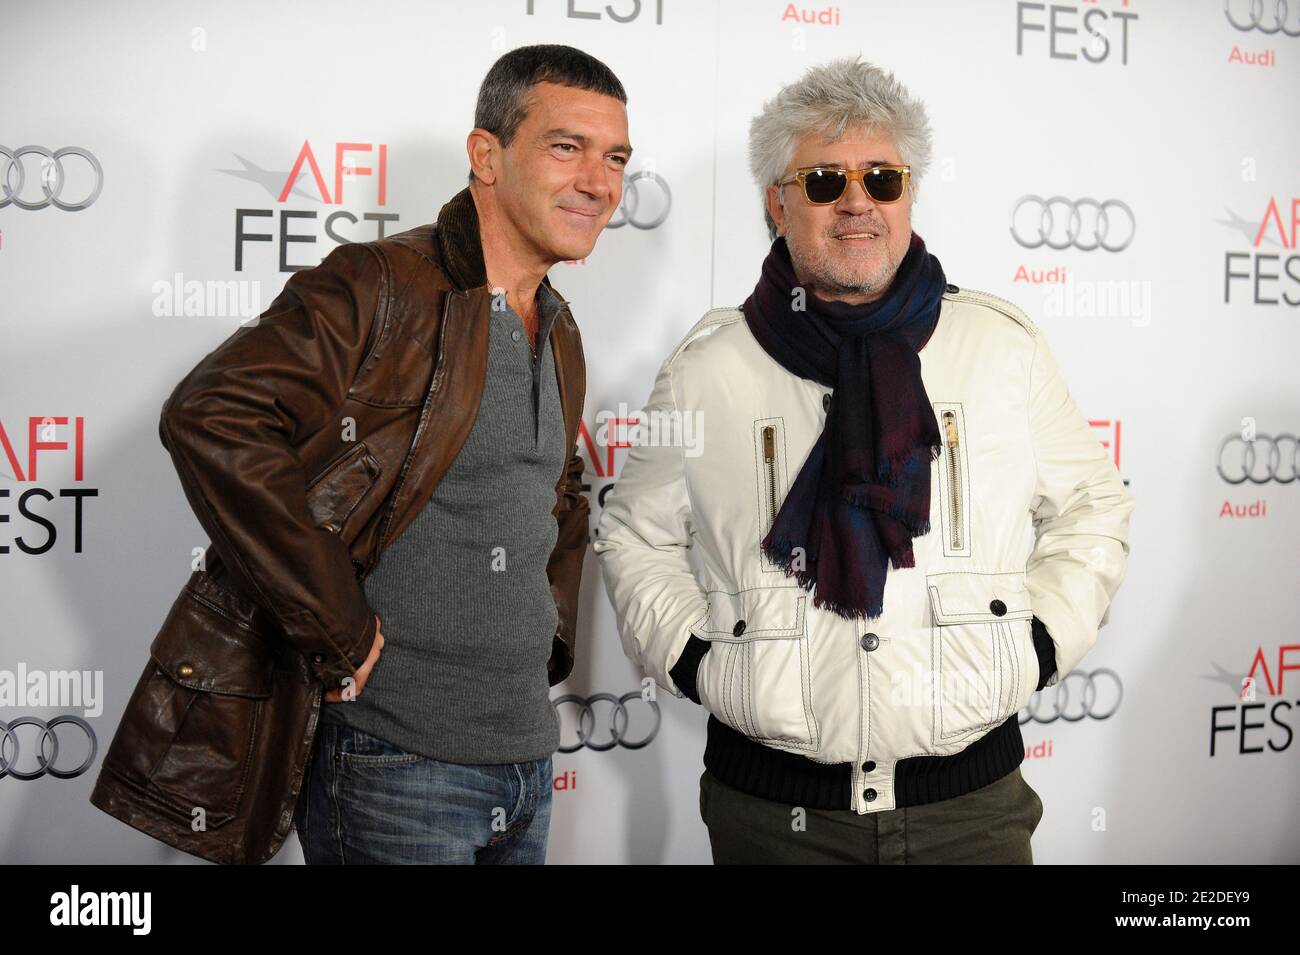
{"x": 952, "y": 656}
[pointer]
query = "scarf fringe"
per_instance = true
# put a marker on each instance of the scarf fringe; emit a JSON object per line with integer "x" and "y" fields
{"x": 808, "y": 581}
{"x": 889, "y": 471}
{"x": 781, "y": 553}
{"x": 849, "y": 613}
{"x": 895, "y": 511}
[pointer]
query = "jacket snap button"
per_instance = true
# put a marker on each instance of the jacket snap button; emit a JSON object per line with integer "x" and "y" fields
{"x": 870, "y": 641}
{"x": 826, "y": 402}
{"x": 318, "y": 658}
{"x": 998, "y": 607}
{"x": 185, "y": 670}
{"x": 869, "y": 795}
{"x": 869, "y": 765}
{"x": 738, "y": 629}
{"x": 516, "y": 335}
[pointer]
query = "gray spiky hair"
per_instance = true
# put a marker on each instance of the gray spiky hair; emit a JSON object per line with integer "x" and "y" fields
{"x": 830, "y": 99}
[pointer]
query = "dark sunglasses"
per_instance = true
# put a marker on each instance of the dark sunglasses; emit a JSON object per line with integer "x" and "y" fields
{"x": 823, "y": 185}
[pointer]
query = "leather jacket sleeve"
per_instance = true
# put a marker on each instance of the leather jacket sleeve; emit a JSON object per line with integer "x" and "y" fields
{"x": 232, "y": 426}
{"x": 1081, "y": 517}
{"x": 642, "y": 540}
{"x": 564, "y": 568}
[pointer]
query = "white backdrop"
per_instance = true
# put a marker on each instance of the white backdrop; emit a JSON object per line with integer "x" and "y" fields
{"x": 1178, "y": 111}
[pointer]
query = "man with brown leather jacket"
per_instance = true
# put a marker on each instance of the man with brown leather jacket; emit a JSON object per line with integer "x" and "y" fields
{"x": 418, "y": 397}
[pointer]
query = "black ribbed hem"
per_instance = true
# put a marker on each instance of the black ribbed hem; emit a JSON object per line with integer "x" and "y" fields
{"x": 769, "y": 773}
{"x": 773, "y": 773}
{"x": 922, "y": 779}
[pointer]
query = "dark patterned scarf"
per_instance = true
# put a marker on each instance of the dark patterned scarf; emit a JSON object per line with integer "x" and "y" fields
{"x": 864, "y": 490}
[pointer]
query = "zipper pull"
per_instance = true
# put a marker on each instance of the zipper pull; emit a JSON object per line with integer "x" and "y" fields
{"x": 950, "y": 427}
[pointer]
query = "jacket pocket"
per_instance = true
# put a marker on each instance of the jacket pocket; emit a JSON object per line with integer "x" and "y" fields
{"x": 954, "y": 479}
{"x": 335, "y": 493}
{"x": 983, "y": 664}
{"x": 756, "y": 676}
{"x": 188, "y": 733}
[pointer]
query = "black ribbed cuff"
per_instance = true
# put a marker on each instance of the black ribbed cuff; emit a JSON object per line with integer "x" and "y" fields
{"x": 684, "y": 670}
{"x": 1046, "y": 651}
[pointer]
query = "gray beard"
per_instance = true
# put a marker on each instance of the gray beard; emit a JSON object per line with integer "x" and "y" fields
{"x": 829, "y": 280}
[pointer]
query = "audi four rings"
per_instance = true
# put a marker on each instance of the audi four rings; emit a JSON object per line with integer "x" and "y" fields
{"x": 46, "y": 763}
{"x": 1278, "y": 469}
{"x": 628, "y": 205}
{"x": 1104, "y": 683}
{"x": 1255, "y": 14}
{"x": 1096, "y": 237}
{"x": 52, "y": 178}
{"x": 587, "y": 720}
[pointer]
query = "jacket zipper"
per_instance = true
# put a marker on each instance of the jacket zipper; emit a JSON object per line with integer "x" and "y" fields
{"x": 559, "y": 377}
{"x": 954, "y": 476}
{"x": 769, "y": 464}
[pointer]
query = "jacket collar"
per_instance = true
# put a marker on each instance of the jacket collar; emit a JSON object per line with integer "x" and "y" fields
{"x": 460, "y": 245}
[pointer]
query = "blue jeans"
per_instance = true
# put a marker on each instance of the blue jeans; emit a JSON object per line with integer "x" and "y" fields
{"x": 365, "y": 800}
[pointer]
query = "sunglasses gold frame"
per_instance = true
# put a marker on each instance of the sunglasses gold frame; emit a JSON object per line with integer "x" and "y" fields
{"x": 801, "y": 176}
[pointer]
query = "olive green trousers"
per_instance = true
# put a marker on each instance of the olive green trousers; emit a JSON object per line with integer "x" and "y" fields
{"x": 991, "y": 825}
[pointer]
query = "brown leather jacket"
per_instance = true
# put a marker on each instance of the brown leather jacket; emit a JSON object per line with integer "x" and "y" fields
{"x": 306, "y": 443}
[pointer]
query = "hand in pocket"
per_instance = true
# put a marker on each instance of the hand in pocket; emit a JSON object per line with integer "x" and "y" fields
{"x": 363, "y": 672}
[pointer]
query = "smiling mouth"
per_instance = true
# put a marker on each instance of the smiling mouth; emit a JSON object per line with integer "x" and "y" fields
{"x": 578, "y": 212}
{"x": 858, "y": 235}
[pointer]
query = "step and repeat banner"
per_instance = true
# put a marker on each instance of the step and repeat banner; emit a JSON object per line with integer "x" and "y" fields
{"x": 1123, "y": 170}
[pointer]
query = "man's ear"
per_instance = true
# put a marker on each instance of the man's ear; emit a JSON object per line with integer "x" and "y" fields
{"x": 775, "y": 209}
{"x": 484, "y": 151}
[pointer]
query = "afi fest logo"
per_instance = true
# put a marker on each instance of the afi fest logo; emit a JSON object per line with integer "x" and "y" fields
{"x": 1088, "y": 33}
{"x": 29, "y": 519}
{"x": 1262, "y": 718}
{"x": 1268, "y": 274}
{"x": 305, "y": 182}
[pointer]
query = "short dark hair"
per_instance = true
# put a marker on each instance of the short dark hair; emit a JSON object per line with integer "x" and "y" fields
{"x": 504, "y": 97}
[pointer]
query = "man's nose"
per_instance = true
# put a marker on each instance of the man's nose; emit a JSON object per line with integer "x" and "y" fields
{"x": 855, "y": 200}
{"x": 591, "y": 179}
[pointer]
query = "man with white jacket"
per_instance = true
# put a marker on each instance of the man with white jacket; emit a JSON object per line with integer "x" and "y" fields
{"x": 865, "y": 616}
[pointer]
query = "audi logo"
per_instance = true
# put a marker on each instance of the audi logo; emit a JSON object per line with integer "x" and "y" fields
{"x": 46, "y": 763}
{"x": 619, "y": 720}
{"x": 630, "y": 211}
{"x": 1255, "y": 11}
{"x": 1103, "y": 684}
{"x": 52, "y": 177}
{"x": 1242, "y": 466}
{"x": 1080, "y": 235}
